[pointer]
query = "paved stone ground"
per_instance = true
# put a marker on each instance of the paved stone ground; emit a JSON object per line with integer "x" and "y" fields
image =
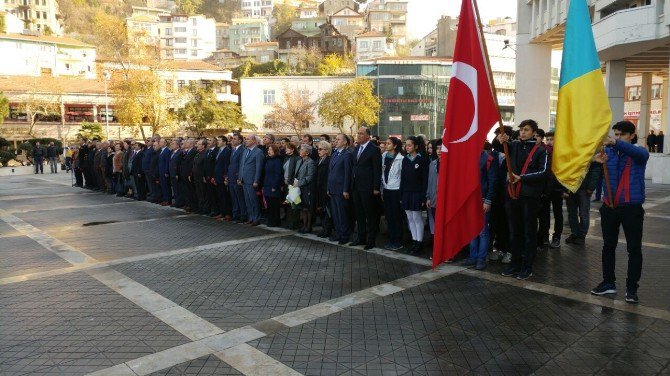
{"x": 91, "y": 283}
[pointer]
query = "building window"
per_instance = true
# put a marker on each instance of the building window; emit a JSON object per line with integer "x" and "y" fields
{"x": 656, "y": 91}
{"x": 364, "y": 44}
{"x": 195, "y": 32}
{"x": 169, "y": 42}
{"x": 288, "y": 44}
{"x": 265, "y": 59}
{"x": 67, "y": 66}
{"x": 180, "y": 40}
{"x": 634, "y": 93}
{"x": 268, "y": 97}
{"x": 194, "y": 21}
{"x": 194, "y": 53}
{"x": 181, "y": 84}
{"x": 179, "y": 29}
{"x": 168, "y": 31}
{"x": 377, "y": 45}
{"x": 194, "y": 43}
{"x": 180, "y": 51}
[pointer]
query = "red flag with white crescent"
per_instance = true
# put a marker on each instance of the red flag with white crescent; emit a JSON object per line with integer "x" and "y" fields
{"x": 471, "y": 112}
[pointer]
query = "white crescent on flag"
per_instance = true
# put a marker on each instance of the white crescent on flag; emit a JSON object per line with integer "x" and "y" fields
{"x": 468, "y": 75}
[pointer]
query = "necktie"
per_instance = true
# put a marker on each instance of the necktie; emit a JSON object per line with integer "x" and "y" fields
{"x": 360, "y": 151}
{"x": 246, "y": 155}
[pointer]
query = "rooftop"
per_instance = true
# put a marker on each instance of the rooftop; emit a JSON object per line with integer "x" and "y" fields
{"x": 262, "y": 44}
{"x": 370, "y": 34}
{"x": 49, "y": 84}
{"x": 46, "y": 39}
{"x": 191, "y": 65}
{"x": 408, "y": 60}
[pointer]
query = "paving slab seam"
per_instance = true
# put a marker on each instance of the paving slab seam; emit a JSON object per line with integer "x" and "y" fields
{"x": 125, "y": 260}
{"x": 573, "y": 295}
{"x": 21, "y": 197}
{"x": 97, "y": 206}
{"x": 226, "y": 346}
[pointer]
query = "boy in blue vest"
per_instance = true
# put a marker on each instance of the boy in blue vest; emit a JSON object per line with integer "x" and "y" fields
{"x": 625, "y": 164}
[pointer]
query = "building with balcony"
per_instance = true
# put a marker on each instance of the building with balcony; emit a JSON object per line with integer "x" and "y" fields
{"x": 37, "y": 15}
{"x": 388, "y": 17}
{"x": 243, "y": 31}
{"x": 371, "y": 45}
{"x": 222, "y": 35}
{"x": 143, "y": 25}
{"x": 31, "y": 55}
{"x": 329, "y": 7}
{"x": 632, "y": 38}
{"x": 262, "y": 52}
{"x": 184, "y": 37}
{"x": 257, "y": 8}
{"x": 348, "y": 22}
{"x": 325, "y": 37}
{"x": 259, "y": 94}
{"x": 413, "y": 91}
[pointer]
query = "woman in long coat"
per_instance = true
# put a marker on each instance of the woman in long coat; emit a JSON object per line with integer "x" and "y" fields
{"x": 304, "y": 179}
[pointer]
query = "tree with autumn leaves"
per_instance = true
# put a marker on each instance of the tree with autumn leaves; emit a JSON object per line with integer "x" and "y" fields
{"x": 350, "y": 105}
{"x": 293, "y": 113}
{"x": 203, "y": 111}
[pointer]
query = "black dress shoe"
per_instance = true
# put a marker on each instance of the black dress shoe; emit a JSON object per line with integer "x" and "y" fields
{"x": 356, "y": 243}
{"x": 342, "y": 242}
{"x": 368, "y": 247}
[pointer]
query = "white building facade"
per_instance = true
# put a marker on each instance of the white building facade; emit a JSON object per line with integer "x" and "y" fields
{"x": 37, "y": 15}
{"x": 260, "y": 93}
{"x": 46, "y": 55}
{"x": 372, "y": 45}
{"x": 185, "y": 37}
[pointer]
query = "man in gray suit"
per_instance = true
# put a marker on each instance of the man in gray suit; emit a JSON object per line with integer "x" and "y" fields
{"x": 251, "y": 168}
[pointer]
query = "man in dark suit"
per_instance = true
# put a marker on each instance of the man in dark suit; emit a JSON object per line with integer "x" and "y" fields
{"x": 175, "y": 165}
{"x": 136, "y": 171}
{"x": 164, "y": 173}
{"x": 146, "y": 165}
{"x": 222, "y": 161}
{"x": 186, "y": 175}
{"x": 199, "y": 176}
{"x": 339, "y": 188}
{"x": 251, "y": 170}
{"x": 210, "y": 187}
{"x": 82, "y": 159}
{"x": 90, "y": 166}
{"x": 366, "y": 182}
{"x": 236, "y": 190}
{"x": 154, "y": 174}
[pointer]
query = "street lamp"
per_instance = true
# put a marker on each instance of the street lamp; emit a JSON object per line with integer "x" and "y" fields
{"x": 106, "y": 75}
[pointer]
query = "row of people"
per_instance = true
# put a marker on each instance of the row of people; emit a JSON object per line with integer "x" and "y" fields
{"x": 347, "y": 187}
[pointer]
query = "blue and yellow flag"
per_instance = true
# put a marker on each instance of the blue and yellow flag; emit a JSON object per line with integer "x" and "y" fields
{"x": 583, "y": 116}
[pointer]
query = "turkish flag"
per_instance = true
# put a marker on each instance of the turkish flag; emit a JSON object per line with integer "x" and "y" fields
{"x": 471, "y": 112}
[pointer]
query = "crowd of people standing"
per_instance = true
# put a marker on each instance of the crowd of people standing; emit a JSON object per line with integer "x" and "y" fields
{"x": 346, "y": 186}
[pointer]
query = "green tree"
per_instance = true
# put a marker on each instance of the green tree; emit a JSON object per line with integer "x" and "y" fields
{"x": 351, "y": 104}
{"x": 284, "y": 14}
{"x": 90, "y": 130}
{"x": 203, "y": 112}
{"x": 189, "y": 7}
{"x": 4, "y": 107}
{"x": 222, "y": 12}
{"x": 251, "y": 69}
{"x": 334, "y": 64}
{"x": 293, "y": 113}
{"x": 3, "y": 23}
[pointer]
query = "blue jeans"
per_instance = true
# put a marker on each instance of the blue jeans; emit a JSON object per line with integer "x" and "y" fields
{"x": 479, "y": 246}
{"x": 579, "y": 223}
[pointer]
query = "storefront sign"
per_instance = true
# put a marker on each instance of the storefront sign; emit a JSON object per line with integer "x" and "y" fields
{"x": 420, "y": 117}
{"x": 395, "y": 118}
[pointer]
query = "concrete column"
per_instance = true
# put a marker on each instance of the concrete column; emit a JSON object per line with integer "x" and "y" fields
{"x": 665, "y": 116}
{"x": 95, "y": 113}
{"x": 615, "y": 84}
{"x": 645, "y": 110}
{"x": 533, "y": 67}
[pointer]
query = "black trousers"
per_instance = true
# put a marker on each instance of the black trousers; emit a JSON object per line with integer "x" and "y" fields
{"x": 499, "y": 226}
{"x": 273, "y": 210}
{"x": 367, "y": 217}
{"x": 212, "y": 198}
{"x": 141, "y": 185}
{"x": 544, "y": 219}
{"x": 190, "y": 197}
{"x": 631, "y": 218}
{"x": 394, "y": 215}
{"x": 177, "y": 191}
{"x": 201, "y": 194}
{"x": 79, "y": 178}
{"x": 223, "y": 199}
{"x": 523, "y": 225}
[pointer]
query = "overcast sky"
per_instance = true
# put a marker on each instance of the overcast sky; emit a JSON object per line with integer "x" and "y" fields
{"x": 422, "y": 15}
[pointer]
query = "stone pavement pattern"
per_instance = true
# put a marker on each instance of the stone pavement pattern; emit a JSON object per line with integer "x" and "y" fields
{"x": 91, "y": 283}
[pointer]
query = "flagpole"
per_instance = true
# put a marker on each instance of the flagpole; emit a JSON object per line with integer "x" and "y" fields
{"x": 508, "y": 162}
{"x": 607, "y": 180}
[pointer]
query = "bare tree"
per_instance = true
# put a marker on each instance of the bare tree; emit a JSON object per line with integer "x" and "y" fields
{"x": 294, "y": 112}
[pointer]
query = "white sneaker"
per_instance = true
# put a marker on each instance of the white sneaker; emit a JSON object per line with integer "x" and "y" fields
{"x": 495, "y": 255}
{"x": 507, "y": 258}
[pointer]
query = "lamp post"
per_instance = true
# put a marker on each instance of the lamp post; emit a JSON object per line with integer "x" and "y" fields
{"x": 106, "y": 75}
